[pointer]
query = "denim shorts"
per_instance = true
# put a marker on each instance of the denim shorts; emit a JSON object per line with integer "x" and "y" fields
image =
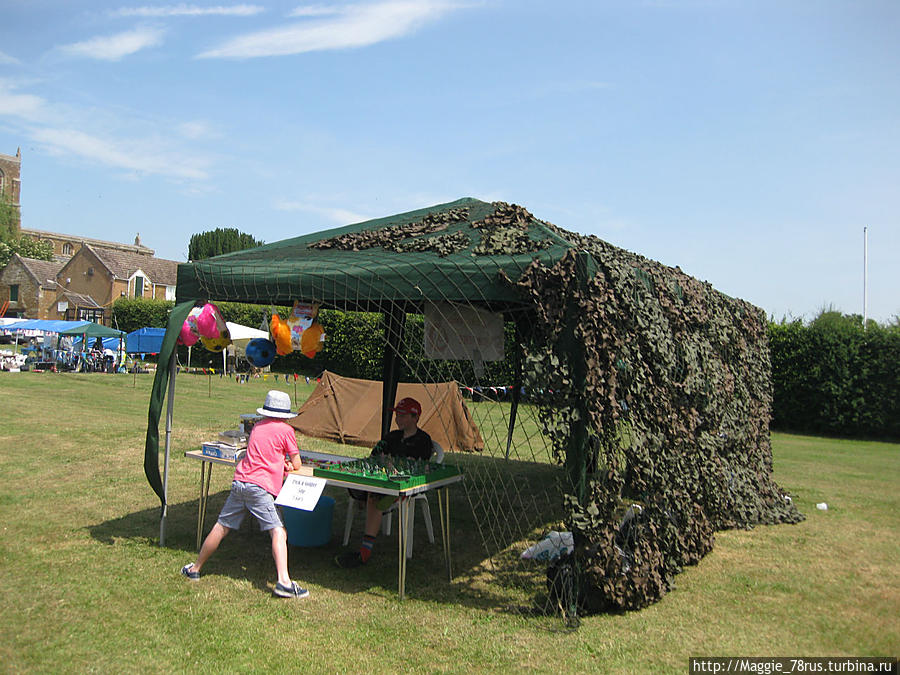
{"x": 246, "y": 497}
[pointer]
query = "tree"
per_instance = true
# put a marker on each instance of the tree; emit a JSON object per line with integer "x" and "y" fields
{"x": 216, "y": 242}
{"x": 11, "y": 241}
{"x": 129, "y": 314}
{"x": 27, "y": 248}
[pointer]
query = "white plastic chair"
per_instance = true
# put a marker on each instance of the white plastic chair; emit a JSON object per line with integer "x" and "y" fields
{"x": 437, "y": 456}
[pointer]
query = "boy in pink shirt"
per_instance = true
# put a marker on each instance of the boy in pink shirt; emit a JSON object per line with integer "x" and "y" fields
{"x": 271, "y": 450}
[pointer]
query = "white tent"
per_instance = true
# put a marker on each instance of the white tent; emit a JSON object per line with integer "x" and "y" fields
{"x": 241, "y": 335}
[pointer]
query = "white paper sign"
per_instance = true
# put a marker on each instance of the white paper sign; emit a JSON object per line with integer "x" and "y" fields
{"x": 301, "y": 492}
{"x": 463, "y": 333}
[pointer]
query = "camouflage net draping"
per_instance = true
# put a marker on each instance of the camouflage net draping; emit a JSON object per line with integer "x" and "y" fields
{"x": 646, "y": 398}
{"x": 678, "y": 394}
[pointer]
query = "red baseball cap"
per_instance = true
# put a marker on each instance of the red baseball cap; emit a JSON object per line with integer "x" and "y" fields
{"x": 410, "y": 406}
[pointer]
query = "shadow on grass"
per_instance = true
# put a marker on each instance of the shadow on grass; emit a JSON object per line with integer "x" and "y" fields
{"x": 502, "y": 584}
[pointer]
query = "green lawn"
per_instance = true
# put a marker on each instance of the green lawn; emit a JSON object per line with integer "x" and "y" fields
{"x": 85, "y": 587}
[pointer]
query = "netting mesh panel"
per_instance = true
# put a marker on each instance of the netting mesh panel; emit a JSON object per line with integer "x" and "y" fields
{"x": 513, "y": 485}
{"x": 512, "y": 492}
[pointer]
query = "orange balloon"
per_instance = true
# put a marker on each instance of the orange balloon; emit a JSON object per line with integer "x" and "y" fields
{"x": 310, "y": 340}
{"x": 281, "y": 334}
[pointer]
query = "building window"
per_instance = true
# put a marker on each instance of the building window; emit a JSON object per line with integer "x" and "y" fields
{"x": 14, "y": 293}
{"x": 67, "y": 249}
{"x": 95, "y": 315}
{"x": 170, "y": 292}
{"x": 139, "y": 287}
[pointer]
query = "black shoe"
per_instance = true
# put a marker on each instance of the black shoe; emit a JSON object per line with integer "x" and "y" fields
{"x": 292, "y": 590}
{"x": 348, "y": 560}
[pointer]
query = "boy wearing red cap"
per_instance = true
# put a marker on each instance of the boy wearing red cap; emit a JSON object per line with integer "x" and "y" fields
{"x": 405, "y": 441}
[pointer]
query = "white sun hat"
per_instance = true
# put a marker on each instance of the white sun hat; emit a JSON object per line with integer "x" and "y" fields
{"x": 278, "y": 404}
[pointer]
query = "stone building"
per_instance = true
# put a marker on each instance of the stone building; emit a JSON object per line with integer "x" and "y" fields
{"x": 97, "y": 276}
{"x": 66, "y": 245}
{"x": 30, "y": 287}
{"x": 87, "y": 275}
{"x": 85, "y": 286}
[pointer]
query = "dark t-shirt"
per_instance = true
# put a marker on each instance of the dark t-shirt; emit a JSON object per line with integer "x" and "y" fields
{"x": 417, "y": 446}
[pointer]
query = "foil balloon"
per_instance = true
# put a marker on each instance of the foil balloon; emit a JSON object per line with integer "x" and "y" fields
{"x": 210, "y": 323}
{"x": 216, "y": 344}
{"x": 281, "y": 334}
{"x": 311, "y": 340}
{"x": 188, "y": 334}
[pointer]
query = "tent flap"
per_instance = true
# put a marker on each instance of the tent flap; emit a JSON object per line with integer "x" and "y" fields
{"x": 157, "y": 398}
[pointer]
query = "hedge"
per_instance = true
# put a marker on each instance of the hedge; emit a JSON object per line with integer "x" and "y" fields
{"x": 833, "y": 377}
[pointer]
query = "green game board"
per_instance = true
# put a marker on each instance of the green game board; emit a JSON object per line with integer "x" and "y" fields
{"x": 395, "y": 473}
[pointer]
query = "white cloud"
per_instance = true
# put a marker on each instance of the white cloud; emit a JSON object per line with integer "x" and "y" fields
{"x": 315, "y": 10}
{"x": 18, "y": 105}
{"x": 6, "y": 59}
{"x": 197, "y": 130}
{"x": 142, "y": 146}
{"x": 137, "y": 157}
{"x": 189, "y": 10}
{"x": 114, "y": 47}
{"x": 335, "y": 215}
{"x": 355, "y": 26}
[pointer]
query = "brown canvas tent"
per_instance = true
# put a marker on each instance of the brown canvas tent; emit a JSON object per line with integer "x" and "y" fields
{"x": 348, "y": 410}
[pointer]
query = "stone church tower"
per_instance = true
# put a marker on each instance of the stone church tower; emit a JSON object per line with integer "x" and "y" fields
{"x": 11, "y": 182}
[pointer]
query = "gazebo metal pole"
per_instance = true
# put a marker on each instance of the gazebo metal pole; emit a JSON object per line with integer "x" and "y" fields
{"x": 165, "y": 485}
{"x": 517, "y": 389}
{"x": 394, "y": 320}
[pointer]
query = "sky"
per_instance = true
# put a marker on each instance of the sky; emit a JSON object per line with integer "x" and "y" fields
{"x": 749, "y": 142}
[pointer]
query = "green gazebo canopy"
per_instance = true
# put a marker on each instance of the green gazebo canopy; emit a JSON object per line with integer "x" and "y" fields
{"x": 93, "y": 330}
{"x": 454, "y": 252}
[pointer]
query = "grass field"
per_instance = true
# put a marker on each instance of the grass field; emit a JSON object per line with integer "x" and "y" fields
{"x": 84, "y": 585}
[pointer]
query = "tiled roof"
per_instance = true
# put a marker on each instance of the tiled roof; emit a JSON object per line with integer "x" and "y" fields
{"x": 78, "y": 239}
{"x": 123, "y": 265}
{"x": 44, "y": 270}
{"x": 80, "y": 300}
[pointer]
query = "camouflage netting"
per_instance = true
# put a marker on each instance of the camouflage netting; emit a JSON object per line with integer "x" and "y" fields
{"x": 646, "y": 394}
{"x": 677, "y": 394}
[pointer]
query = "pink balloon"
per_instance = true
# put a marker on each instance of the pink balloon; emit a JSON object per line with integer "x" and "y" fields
{"x": 186, "y": 336}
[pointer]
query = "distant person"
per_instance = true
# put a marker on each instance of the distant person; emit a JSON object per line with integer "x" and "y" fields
{"x": 258, "y": 477}
{"x": 405, "y": 441}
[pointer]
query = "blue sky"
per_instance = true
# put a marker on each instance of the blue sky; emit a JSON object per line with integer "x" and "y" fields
{"x": 748, "y": 142}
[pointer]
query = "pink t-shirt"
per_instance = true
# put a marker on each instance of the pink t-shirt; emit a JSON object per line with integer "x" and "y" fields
{"x": 263, "y": 465}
